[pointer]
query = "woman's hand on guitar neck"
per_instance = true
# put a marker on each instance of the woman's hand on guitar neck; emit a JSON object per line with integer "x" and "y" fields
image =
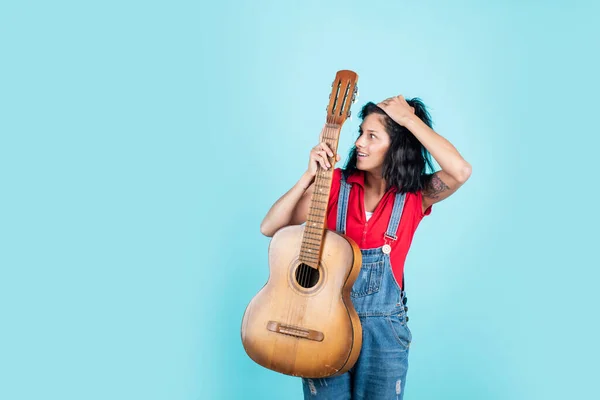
{"x": 321, "y": 154}
{"x": 292, "y": 207}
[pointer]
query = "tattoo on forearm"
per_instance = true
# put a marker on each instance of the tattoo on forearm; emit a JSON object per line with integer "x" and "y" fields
{"x": 436, "y": 186}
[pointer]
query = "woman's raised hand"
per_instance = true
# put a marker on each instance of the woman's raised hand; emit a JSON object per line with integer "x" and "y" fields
{"x": 321, "y": 155}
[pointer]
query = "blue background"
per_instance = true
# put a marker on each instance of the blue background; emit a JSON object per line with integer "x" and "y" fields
{"x": 142, "y": 143}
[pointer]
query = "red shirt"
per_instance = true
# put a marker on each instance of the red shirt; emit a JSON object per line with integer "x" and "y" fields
{"x": 370, "y": 234}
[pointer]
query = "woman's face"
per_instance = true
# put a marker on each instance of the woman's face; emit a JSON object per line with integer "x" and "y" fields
{"x": 372, "y": 144}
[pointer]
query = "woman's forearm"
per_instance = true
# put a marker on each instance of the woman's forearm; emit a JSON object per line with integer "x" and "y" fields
{"x": 282, "y": 211}
{"x": 440, "y": 148}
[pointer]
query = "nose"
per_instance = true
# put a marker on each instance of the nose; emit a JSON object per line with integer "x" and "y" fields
{"x": 359, "y": 143}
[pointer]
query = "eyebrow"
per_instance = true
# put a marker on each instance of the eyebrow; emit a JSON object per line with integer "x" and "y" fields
{"x": 360, "y": 128}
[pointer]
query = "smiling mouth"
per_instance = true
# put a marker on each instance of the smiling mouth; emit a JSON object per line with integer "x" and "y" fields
{"x": 361, "y": 155}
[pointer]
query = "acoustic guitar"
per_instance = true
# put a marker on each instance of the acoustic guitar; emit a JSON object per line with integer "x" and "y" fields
{"x": 302, "y": 322}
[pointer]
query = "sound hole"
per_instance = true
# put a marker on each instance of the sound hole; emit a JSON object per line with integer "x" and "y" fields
{"x": 307, "y": 276}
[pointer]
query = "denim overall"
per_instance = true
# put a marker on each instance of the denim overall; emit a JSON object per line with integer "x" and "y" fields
{"x": 380, "y": 371}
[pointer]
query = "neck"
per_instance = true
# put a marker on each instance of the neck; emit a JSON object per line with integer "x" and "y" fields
{"x": 375, "y": 182}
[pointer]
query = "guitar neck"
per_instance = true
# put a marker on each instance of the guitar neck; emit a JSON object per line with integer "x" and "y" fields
{"x": 343, "y": 94}
{"x": 316, "y": 221}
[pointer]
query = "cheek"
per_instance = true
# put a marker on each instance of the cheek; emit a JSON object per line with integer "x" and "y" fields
{"x": 382, "y": 151}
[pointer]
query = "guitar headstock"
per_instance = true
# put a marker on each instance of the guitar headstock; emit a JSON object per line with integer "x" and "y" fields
{"x": 344, "y": 91}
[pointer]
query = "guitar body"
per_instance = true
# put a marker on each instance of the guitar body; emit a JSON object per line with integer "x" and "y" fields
{"x": 301, "y": 325}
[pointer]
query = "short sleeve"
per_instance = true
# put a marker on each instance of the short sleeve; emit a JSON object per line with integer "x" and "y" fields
{"x": 336, "y": 183}
{"x": 420, "y": 205}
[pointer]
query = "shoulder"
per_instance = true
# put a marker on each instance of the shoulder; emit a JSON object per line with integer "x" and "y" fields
{"x": 337, "y": 174}
{"x": 336, "y": 183}
{"x": 422, "y": 205}
{"x": 417, "y": 205}
{"x": 336, "y": 180}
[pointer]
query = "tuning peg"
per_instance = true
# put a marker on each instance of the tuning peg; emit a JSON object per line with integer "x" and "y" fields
{"x": 350, "y": 114}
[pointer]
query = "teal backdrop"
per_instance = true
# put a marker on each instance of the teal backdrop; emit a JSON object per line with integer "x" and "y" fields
{"x": 142, "y": 143}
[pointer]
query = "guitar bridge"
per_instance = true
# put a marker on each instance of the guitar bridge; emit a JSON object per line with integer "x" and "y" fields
{"x": 295, "y": 331}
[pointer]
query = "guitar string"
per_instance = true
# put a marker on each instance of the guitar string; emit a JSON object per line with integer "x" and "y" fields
{"x": 307, "y": 273}
{"x": 305, "y": 270}
{"x": 319, "y": 181}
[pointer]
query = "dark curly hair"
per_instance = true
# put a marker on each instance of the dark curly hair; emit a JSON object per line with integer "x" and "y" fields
{"x": 406, "y": 161}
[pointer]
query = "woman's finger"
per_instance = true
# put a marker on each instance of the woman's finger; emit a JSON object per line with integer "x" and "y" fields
{"x": 319, "y": 159}
{"x": 327, "y": 149}
{"x": 325, "y": 162}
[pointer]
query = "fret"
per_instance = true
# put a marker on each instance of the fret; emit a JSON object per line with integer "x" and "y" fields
{"x": 312, "y": 221}
{"x": 316, "y": 212}
{"x": 309, "y": 241}
{"x": 310, "y": 254}
{"x": 324, "y": 201}
{"x": 315, "y": 225}
{"x": 314, "y": 240}
{"x": 315, "y": 232}
{"x": 316, "y": 229}
{"x": 309, "y": 257}
{"x": 313, "y": 251}
{"x": 319, "y": 201}
{"x": 317, "y": 208}
{"x": 314, "y": 236}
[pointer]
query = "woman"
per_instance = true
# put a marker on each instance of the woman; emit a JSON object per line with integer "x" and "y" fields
{"x": 378, "y": 200}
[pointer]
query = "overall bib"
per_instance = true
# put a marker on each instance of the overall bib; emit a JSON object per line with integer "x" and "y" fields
{"x": 380, "y": 371}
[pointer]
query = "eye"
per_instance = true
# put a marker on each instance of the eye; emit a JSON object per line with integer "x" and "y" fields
{"x": 372, "y": 136}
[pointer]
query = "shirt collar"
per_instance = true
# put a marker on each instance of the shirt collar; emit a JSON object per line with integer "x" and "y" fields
{"x": 359, "y": 177}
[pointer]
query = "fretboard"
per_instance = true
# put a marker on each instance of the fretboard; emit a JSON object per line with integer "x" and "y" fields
{"x": 316, "y": 221}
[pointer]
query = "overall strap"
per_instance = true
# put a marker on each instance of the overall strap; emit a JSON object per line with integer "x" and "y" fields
{"x": 392, "y": 228}
{"x": 342, "y": 210}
